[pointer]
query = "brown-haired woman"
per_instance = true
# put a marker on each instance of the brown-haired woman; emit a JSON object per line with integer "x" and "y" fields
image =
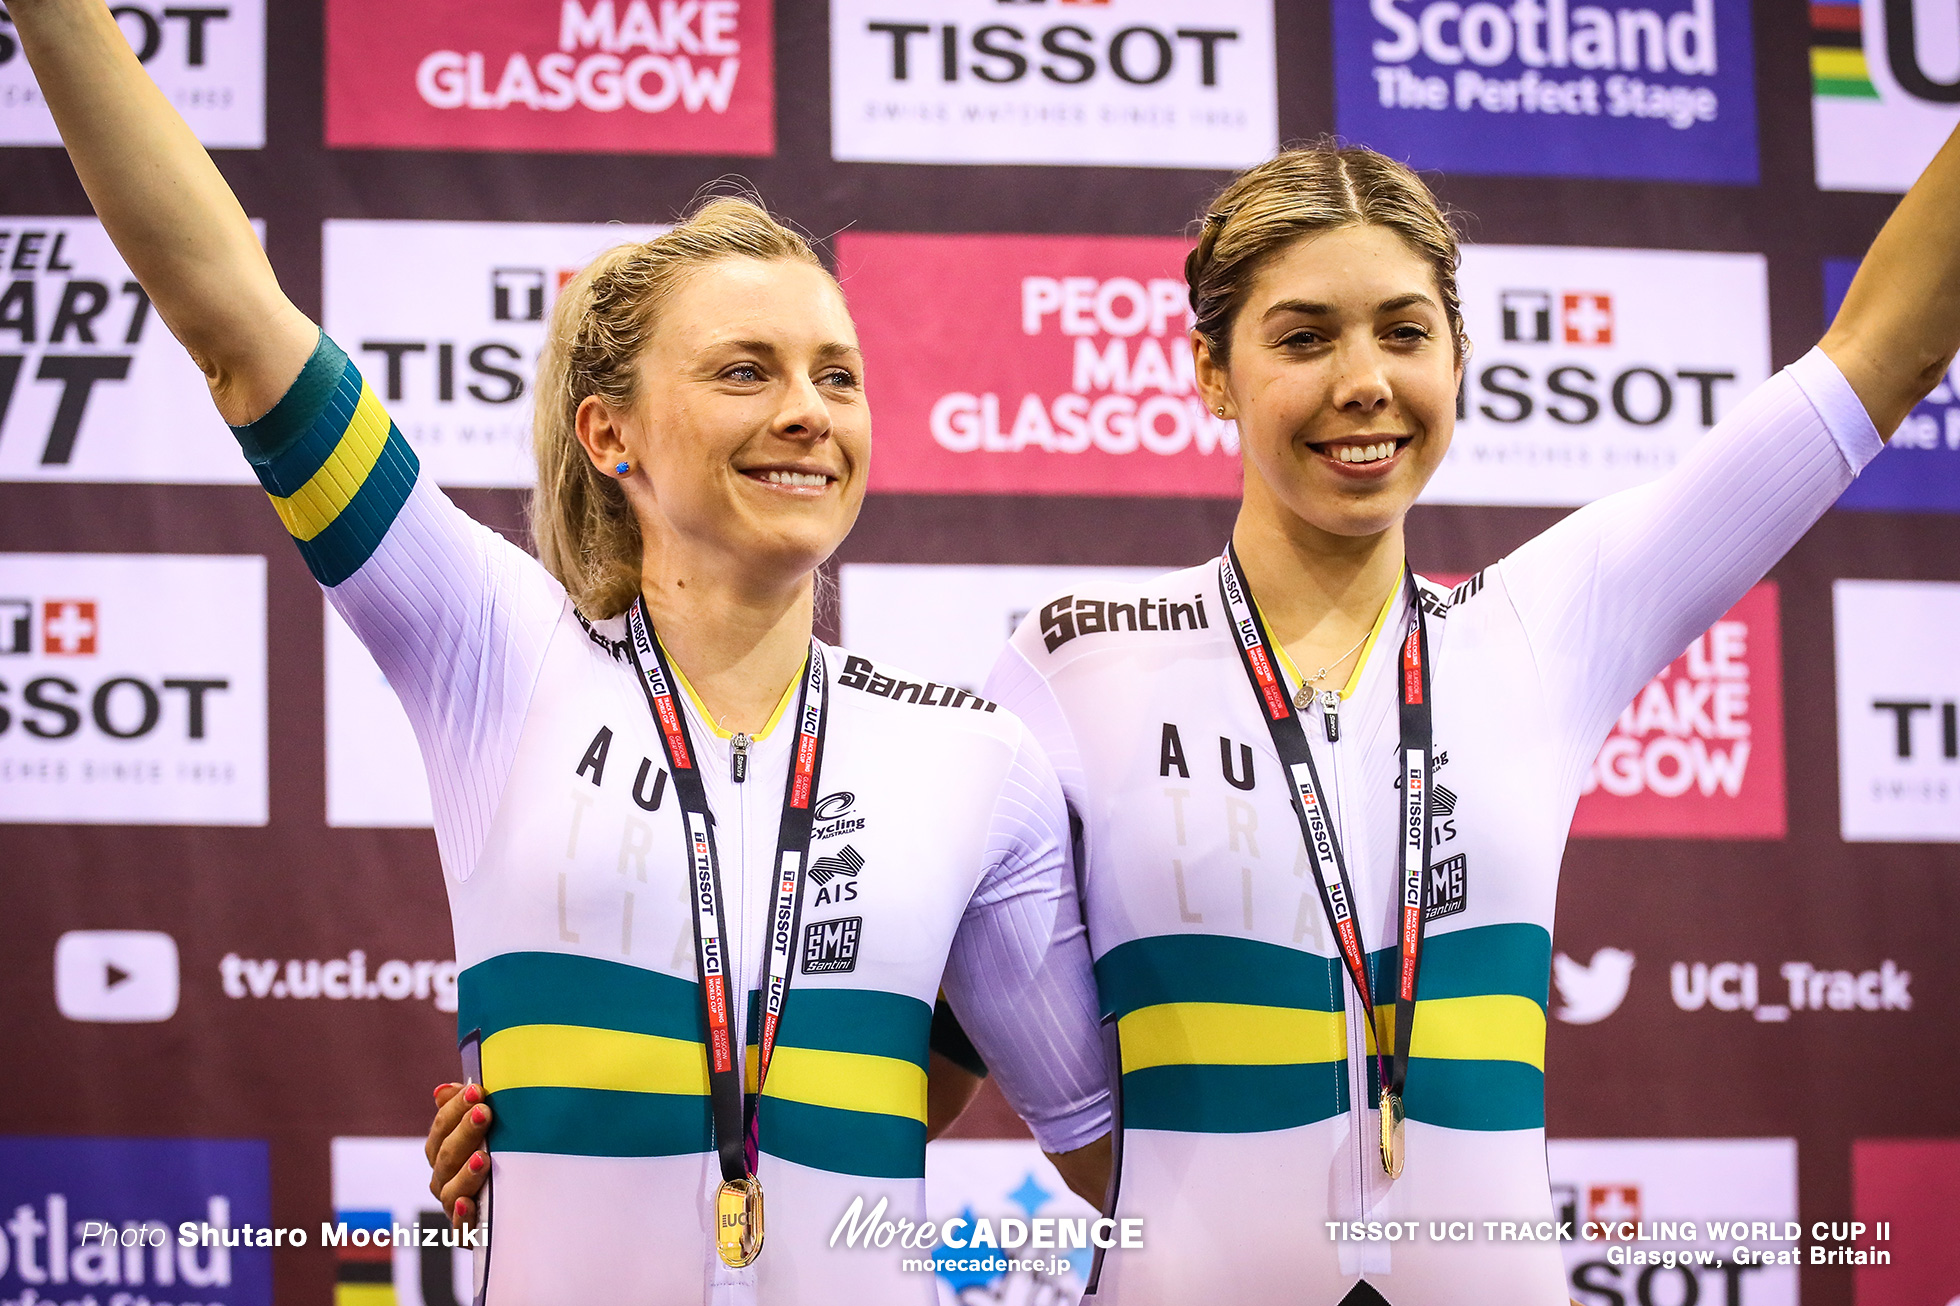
{"x": 1269, "y": 845}
{"x": 661, "y": 848}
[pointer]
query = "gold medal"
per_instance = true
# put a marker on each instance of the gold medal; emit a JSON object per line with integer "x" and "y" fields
{"x": 738, "y": 1222}
{"x": 1391, "y": 1112}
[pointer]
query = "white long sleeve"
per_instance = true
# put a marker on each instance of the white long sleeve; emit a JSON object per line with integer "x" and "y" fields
{"x": 1612, "y": 594}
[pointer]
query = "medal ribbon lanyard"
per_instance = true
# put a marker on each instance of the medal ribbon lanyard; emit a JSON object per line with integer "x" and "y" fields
{"x": 734, "y": 1111}
{"x": 1289, "y": 737}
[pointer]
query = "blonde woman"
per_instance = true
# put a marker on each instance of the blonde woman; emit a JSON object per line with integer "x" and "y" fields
{"x": 706, "y": 873}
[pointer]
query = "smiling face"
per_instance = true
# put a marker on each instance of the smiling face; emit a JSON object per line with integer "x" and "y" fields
{"x": 750, "y": 438}
{"x": 1342, "y": 376}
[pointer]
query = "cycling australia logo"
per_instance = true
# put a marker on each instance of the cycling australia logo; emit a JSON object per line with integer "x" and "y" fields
{"x": 1157, "y": 83}
{"x": 132, "y": 689}
{"x": 207, "y": 59}
{"x": 1592, "y": 991}
{"x": 1036, "y": 365}
{"x": 1596, "y": 369}
{"x": 1884, "y": 93}
{"x": 93, "y": 387}
{"x": 445, "y": 320}
{"x": 1898, "y": 710}
{"x": 613, "y": 76}
{"x": 836, "y": 815}
{"x": 1551, "y": 90}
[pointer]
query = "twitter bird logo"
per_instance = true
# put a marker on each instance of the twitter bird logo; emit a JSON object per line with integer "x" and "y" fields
{"x": 1594, "y": 991}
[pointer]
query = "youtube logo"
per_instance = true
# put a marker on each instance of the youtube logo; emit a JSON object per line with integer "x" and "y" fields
{"x": 122, "y": 976}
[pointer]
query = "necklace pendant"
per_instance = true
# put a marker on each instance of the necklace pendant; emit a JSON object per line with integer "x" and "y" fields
{"x": 1303, "y": 696}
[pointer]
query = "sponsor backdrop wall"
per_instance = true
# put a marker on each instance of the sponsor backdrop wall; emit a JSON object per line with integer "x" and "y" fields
{"x": 226, "y": 983}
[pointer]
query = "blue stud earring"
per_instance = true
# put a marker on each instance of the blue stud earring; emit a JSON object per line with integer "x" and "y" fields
{"x": 623, "y": 468}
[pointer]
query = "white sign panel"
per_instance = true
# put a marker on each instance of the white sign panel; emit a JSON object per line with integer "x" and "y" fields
{"x": 208, "y": 59}
{"x": 1002, "y": 1180}
{"x": 445, "y": 321}
{"x": 1881, "y": 108}
{"x": 1665, "y": 1214}
{"x": 375, "y": 775}
{"x": 1898, "y": 703}
{"x": 382, "y": 1183}
{"x": 93, "y": 387}
{"x": 1152, "y": 83}
{"x": 952, "y": 621}
{"x": 1593, "y": 370}
{"x": 132, "y": 689}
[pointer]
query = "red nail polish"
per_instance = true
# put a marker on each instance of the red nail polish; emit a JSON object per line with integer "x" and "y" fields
{"x": 472, "y": 1094}
{"x": 476, "y": 1163}
{"x": 478, "y": 1115}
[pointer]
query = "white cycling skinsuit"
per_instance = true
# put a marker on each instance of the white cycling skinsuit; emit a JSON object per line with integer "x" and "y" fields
{"x": 1247, "y": 1103}
{"x": 940, "y": 851}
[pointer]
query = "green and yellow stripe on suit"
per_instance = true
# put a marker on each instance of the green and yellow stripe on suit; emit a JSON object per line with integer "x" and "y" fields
{"x": 587, "y": 1057}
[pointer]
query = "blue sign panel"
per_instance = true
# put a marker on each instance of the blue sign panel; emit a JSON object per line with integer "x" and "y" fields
{"x": 119, "y": 1221}
{"x": 1919, "y": 470}
{"x": 1547, "y": 88}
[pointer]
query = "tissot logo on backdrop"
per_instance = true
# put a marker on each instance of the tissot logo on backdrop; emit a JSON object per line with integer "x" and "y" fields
{"x": 1596, "y": 369}
{"x": 1157, "y": 83}
{"x": 1698, "y": 754}
{"x": 132, "y": 689}
{"x": 1034, "y": 365}
{"x": 618, "y": 76}
{"x": 445, "y": 321}
{"x": 208, "y": 59}
{"x": 1553, "y": 88}
{"x": 1675, "y": 1181}
{"x": 1919, "y": 468}
{"x": 65, "y": 1194}
{"x": 93, "y": 387}
{"x": 1898, "y": 709}
{"x": 1884, "y": 90}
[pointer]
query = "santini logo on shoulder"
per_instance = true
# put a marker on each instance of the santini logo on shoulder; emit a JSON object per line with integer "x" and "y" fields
{"x": 1068, "y": 616}
{"x": 859, "y": 673}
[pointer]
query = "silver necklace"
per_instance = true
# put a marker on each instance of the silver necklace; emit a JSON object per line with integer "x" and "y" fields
{"x": 1304, "y": 695}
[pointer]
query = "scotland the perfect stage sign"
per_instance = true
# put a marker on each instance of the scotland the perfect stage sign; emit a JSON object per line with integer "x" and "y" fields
{"x": 1551, "y": 88}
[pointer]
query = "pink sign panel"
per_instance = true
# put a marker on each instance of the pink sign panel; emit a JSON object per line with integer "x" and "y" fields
{"x": 1033, "y": 365}
{"x": 611, "y": 76}
{"x": 1698, "y": 754}
{"x": 1906, "y": 1192}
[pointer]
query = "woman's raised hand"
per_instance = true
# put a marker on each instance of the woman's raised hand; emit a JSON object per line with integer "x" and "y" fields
{"x": 1899, "y": 326}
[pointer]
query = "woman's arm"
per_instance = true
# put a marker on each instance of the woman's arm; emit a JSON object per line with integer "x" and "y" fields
{"x": 1020, "y": 982}
{"x": 165, "y": 205}
{"x": 1899, "y": 325}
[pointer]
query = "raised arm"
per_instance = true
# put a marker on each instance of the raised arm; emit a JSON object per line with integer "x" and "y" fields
{"x": 1899, "y": 325}
{"x": 166, "y": 207}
